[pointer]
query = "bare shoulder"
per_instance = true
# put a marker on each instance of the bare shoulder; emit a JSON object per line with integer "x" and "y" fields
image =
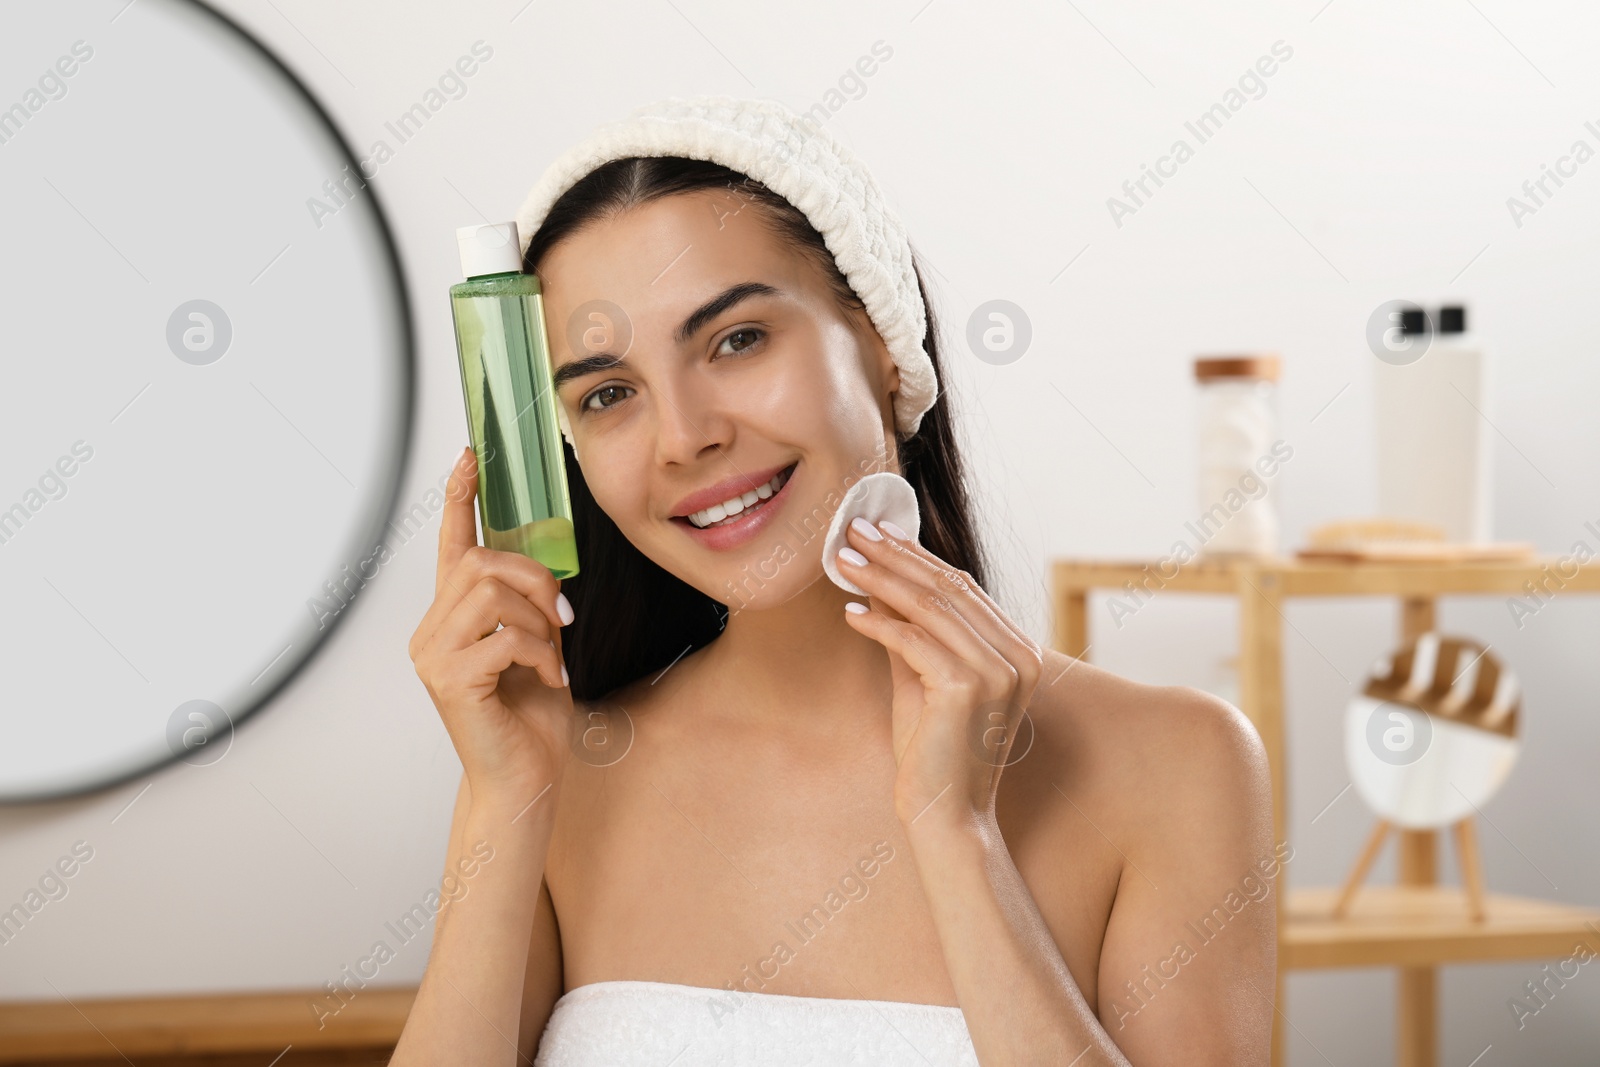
{"x": 1158, "y": 727}
{"x": 1168, "y": 790}
{"x": 1158, "y": 760}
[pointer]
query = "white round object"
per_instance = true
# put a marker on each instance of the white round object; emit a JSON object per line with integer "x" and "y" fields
{"x": 1422, "y": 771}
{"x": 876, "y": 497}
{"x": 488, "y": 248}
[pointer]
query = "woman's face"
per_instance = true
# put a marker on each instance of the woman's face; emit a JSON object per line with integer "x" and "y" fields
{"x": 721, "y": 399}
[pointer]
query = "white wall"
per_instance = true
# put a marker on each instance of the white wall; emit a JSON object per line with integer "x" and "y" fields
{"x": 1376, "y": 166}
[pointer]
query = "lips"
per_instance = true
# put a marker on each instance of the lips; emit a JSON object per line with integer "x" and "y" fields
{"x": 745, "y": 482}
{"x": 734, "y": 530}
{"x": 728, "y": 510}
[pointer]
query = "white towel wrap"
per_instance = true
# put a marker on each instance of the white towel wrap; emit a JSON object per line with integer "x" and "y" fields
{"x": 652, "y": 1024}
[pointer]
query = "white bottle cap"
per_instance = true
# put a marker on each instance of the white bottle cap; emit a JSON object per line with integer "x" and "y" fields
{"x": 489, "y": 248}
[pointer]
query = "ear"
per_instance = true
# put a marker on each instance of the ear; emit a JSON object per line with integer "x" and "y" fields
{"x": 888, "y": 373}
{"x": 888, "y": 370}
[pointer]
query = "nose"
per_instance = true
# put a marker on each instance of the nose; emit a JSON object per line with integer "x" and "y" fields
{"x": 689, "y": 423}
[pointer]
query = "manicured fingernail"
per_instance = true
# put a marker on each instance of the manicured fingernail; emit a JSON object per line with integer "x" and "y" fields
{"x": 564, "y": 609}
{"x": 564, "y": 678}
{"x": 865, "y": 529}
{"x": 850, "y": 555}
{"x": 894, "y": 531}
{"x": 855, "y": 607}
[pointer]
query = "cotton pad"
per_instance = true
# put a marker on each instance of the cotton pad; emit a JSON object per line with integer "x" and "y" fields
{"x": 876, "y": 497}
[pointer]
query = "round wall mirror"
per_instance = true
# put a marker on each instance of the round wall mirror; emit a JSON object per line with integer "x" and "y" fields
{"x": 206, "y": 390}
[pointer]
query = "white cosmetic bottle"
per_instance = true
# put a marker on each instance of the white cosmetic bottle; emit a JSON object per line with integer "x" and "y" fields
{"x": 1433, "y": 433}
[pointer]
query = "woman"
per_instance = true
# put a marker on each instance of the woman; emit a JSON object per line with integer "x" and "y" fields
{"x": 770, "y": 821}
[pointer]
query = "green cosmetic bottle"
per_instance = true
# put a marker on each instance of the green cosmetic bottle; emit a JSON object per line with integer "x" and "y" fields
{"x": 523, "y": 501}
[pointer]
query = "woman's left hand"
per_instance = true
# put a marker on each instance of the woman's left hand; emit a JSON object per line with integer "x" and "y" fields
{"x": 963, "y": 673}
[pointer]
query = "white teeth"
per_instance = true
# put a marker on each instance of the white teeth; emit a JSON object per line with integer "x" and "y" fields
{"x": 734, "y": 505}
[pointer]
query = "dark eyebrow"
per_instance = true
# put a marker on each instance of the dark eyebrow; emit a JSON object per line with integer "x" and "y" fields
{"x": 580, "y": 367}
{"x": 720, "y": 303}
{"x": 692, "y": 325}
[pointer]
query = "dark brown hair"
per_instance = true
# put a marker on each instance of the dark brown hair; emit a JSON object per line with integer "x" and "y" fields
{"x": 633, "y": 617}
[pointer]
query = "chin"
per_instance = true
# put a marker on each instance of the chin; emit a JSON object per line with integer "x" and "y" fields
{"x": 750, "y": 590}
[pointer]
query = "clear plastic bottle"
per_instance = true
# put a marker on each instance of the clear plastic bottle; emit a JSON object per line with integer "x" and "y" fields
{"x": 1238, "y": 424}
{"x": 504, "y": 350}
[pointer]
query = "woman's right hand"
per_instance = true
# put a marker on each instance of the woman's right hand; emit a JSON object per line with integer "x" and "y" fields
{"x": 489, "y": 652}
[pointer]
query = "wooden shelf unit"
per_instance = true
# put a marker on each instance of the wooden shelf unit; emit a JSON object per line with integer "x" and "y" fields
{"x": 1415, "y": 926}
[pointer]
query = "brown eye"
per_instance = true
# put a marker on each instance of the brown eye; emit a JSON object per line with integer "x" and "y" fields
{"x": 607, "y": 395}
{"x": 741, "y": 340}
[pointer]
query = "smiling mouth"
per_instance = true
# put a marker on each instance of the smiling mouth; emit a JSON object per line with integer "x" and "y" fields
{"x": 735, "y": 508}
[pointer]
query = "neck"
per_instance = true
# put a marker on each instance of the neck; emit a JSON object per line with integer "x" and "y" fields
{"x": 801, "y": 659}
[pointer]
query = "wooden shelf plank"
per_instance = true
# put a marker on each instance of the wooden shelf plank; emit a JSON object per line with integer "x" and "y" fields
{"x": 1298, "y": 577}
{"x": 1426, "y": 926}
{"x": 32, "y": 1031}
{"x": 377, "y": 1056}
{"x": 1197, "y": 576}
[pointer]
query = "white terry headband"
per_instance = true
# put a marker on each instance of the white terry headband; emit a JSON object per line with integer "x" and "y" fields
{"x": 807, "y": 166}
